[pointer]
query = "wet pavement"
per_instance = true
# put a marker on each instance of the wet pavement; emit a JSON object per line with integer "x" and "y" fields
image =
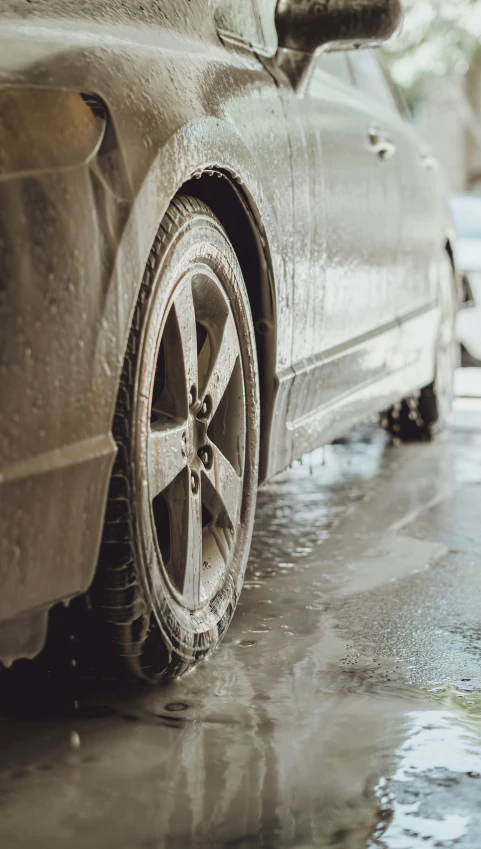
{"x": 343, "y": 709}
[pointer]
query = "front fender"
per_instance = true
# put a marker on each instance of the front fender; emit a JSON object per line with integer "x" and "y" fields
{"x": 198, "y": 146}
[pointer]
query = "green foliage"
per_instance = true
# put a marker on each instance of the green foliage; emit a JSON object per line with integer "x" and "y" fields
{"x": 438, "y": 37}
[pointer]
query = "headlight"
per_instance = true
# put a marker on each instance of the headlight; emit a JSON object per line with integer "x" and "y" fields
{"x": 46, "y": 129}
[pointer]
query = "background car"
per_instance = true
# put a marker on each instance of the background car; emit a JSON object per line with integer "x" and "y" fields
{"x": 467, "y": 221}
{"x": 220, "y": 248}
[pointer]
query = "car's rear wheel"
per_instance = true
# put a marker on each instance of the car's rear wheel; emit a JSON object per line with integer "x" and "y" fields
{"x": 182, "y": 497}
{"x": 426, "y": 413}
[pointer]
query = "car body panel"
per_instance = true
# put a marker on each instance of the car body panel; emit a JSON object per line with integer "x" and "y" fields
{"x": 181, "y": 100}
{"x": 357, "y": 290}
{"x": 250, "y": 23}
{"x": 365, "y": 297}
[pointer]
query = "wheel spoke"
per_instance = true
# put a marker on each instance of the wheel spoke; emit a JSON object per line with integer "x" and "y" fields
{"x": 221, "y": 366}
{"x": 193, "y": 553}
{"x": 166, "y": 454}
{"x": 186, "y": 538}
{"x": 222, "y": 497}
{"x": 185, "y": 314}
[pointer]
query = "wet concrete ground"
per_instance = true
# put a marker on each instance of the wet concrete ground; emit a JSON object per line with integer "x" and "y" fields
{"x": 342, "y": 710}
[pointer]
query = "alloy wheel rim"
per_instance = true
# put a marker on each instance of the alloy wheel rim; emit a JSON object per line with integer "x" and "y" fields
{"x": 196, "y": 440}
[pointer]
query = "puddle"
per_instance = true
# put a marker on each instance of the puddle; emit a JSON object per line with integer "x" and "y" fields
{"x": 434, "y": 796}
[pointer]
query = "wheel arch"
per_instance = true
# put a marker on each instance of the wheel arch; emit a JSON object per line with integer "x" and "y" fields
{"x": 232, "y": 204}
{"x": 207, "y": 159}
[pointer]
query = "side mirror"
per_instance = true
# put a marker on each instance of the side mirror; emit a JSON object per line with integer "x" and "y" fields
{"x": 308, "y": 25}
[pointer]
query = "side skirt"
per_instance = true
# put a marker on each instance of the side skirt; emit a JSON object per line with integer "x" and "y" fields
{"x": 322, "y": 398}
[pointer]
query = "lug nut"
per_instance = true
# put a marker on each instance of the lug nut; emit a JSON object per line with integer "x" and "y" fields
{"x": 194, "y": 483}
{"x": 191, "y": 396}
{"x": 206, "y": 407}
{"x": 205, "y": 456}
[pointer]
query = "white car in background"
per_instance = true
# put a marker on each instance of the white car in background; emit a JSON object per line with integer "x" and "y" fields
{"x": 466, "y": 210}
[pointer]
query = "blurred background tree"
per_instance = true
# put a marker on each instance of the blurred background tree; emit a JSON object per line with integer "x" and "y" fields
{"x": 436, "y": 60}
{"x": 440, "y": 37}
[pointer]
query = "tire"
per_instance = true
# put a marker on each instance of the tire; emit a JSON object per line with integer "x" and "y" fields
{"x": 426, "y": 413}
{"x": 182, "y": 497}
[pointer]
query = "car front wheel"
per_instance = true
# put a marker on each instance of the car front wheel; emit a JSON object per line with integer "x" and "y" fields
{"x": 182, "y": 496}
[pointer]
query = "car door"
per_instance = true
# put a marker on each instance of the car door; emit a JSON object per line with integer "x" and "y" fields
{"x": 343, "y": 318}
{"x": 363, "y": 210}
{"x": 413, "y": 289}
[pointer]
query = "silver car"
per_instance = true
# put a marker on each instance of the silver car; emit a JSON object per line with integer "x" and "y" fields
{"x": 221, "y": 245}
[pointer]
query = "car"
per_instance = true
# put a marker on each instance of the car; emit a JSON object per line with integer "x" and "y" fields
{"x": 466, "y": 209}
{"x": 221, "y": 245}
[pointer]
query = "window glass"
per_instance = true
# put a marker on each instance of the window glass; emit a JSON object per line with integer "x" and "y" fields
{"x": 370, "y": 77}
{"x": 334, "y": 63}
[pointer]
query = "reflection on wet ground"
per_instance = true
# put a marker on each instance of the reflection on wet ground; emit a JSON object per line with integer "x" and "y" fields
{"x": 342, "y": 710}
